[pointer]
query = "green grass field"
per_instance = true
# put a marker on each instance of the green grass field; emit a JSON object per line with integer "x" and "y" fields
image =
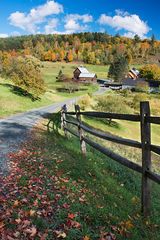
{"x": 50, "y": 71}
{"x": 11, "y": 103}
{"x": 125, "y": 129}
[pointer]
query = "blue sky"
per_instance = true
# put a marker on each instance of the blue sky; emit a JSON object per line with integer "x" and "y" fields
{"x": 126, "y": 17}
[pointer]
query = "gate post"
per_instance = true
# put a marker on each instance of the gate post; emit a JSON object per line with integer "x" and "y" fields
{"x": 146, "y": 158}
{"x": 63, "y": 122}
{"x": 80, "y": 130}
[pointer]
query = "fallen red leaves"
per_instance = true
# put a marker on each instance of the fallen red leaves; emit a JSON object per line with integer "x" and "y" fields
{"x": 31, "y": 193}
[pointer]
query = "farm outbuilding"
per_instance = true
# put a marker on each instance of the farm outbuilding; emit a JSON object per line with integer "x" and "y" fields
{"x": 133, "y": 73}
{"x": 81, "y": 74}
{"x": 130, "y": 83}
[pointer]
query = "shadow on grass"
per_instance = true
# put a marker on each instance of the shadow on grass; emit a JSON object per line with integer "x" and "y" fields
{"x": 19, "y": 91}
{"x": 63, "y": 89}
{"x": 114, "y": 185}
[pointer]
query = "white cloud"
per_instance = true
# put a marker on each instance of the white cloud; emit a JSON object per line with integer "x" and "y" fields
{"x": 131, "y": 23}
{"x": 30, "y": 21}
{"x": 76, "y": 22}
{"x": 51, "y": 26}
{"x": 85, "y": 18}
{"x": 72, "y": 26}
{"x": 3, "y": 35}
{"x": 129, "y": 34}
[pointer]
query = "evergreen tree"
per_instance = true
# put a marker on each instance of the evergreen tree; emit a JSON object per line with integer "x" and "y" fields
{"x": 60, "y": 76}
{"x": 152, "y": 43}
{"x": 153, "y": 39}
{"x": 118, "y": 68}
{"x": 137, "y": 38}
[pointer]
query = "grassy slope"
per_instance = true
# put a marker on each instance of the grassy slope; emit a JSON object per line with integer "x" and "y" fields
{"x": 11, "y": 103}
{"x": 117, "y": 189}
{"x": 128, "y": 130}
{"x": 101, "y": 195}
{"x": 125, "y": 129}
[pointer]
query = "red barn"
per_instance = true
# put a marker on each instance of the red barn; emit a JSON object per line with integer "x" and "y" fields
{"x": 81, "y": 74}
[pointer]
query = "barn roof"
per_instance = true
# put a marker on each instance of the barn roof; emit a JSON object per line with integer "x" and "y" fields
{"x": 83, "y": 69}
{"x": 87, "y": 75}
{"x": 135, "y": 71}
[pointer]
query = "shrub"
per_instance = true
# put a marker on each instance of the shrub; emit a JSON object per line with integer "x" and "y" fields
{"x": 85, "y": 102}
{"x": 71, "y": 87}
{"x": 113, "y": 104}
{"x": 155, "y": 106}
{"x": 125, "y": 92}
{"x": 142, "y": 87}
{"x": 139, "y": 97}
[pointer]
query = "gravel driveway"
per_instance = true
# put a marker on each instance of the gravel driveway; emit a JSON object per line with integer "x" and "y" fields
{"x": 14, "y": 129}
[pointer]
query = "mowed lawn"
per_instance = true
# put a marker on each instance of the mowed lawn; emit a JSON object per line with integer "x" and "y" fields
{"x": 11, "y": 103}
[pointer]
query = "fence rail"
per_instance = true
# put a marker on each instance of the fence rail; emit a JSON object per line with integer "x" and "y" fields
{"x": 145, "y": 145}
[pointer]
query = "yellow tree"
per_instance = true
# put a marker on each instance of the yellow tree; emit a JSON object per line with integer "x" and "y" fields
{"x": 61, "y": 55}
{"x": 27, "y": 51}
{"x": 70, "y": 56}
{"x": 150, "y": 72}
{"x": 6, "y": 62}
{"x": 144, "y": 48}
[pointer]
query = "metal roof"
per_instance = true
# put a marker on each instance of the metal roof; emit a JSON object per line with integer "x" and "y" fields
{"x": 87, "y": 75}
{"x": 83, "y": 69}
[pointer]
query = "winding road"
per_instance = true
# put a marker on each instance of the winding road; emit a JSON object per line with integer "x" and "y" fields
{"x": 14, "y": 129}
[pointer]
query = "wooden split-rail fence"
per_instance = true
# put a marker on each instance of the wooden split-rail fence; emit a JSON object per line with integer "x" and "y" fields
{"x": 145, "y": 120}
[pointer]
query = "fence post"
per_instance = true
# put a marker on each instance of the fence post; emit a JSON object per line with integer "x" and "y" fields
{"x": 146, "y": 158}
{"x": 80, "y": 130}
{"x": 63, "y": 123}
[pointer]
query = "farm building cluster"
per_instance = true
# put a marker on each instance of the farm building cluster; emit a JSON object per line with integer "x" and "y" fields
{"x": 132, "y": 80}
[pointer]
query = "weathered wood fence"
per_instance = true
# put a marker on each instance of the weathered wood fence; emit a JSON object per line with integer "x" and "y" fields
{"x": 145, "y": 145}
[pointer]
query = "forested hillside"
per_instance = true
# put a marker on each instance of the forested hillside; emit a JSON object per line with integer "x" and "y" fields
{"x": 93, "y": 48}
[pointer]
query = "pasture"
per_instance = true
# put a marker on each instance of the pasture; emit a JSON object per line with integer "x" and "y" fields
{"x": 12, "y": 102}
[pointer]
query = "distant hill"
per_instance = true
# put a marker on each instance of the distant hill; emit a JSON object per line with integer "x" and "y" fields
{"x": 93, "y": 48}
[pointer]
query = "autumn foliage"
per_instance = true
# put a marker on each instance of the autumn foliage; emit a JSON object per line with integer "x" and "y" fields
{"x": 25, "y": 73}
{"x": 93, "y": 48}
{"x": 150, "y": 72}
